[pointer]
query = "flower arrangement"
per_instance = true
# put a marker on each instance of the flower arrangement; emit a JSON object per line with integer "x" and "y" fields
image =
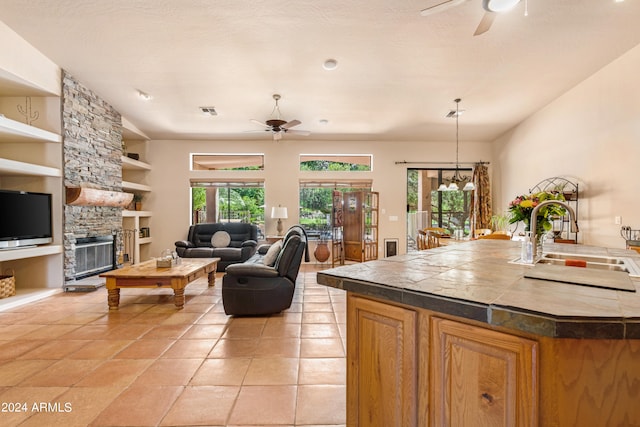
{"x": 521, "y": 207}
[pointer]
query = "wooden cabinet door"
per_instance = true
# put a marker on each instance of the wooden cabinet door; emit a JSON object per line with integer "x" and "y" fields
{"x": 381, "y": 364}
{"x": 482, "y": 377}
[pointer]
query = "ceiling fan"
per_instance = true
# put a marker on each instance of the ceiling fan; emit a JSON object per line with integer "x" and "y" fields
{"x": 277, "y": 126}
{"x": 491, "y": 7}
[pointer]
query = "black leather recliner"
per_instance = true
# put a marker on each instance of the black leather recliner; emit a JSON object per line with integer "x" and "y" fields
{"x": 198, "y": 244}
{"x": 252, "y": 288}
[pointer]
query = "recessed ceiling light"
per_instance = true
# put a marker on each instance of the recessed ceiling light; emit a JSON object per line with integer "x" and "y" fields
{"x": 323, "y": 121}
{"x": 144, "y": 96}
{"x": 330, "y": 64}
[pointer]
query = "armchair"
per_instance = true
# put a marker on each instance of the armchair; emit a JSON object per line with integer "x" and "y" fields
{"x": 253, "y": 288}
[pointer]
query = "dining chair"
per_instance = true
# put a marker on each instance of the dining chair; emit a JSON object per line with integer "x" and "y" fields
{"x": 495, "y": 236}
{"x": 482, "y": 232}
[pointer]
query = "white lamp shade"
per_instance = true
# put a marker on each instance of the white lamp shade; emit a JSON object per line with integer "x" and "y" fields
{"x": 469, "y": 186}
{"x": 443, "y": 187}
{"x": 453, "y": 187}
{"x": 279, "y": 212}
{"x": 499, "y": 5}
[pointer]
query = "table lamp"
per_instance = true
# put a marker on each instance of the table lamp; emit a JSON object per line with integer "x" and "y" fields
{"x": 279, "y": 213}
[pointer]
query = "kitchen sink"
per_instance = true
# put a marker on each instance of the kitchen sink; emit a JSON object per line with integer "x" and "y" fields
{"x": 594, "y": 265}
{"x": 598, "y": 262}
{"x": 601, "y": 271}
{"x": 587, "y": 258}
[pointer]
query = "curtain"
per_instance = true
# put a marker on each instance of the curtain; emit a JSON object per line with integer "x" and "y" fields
{"x": 481, "y": 199}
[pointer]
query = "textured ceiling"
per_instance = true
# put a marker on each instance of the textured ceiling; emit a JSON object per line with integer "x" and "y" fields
{"x": 398, "y": 72}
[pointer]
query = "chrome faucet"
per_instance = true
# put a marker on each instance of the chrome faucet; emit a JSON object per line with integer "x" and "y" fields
{"x": 534, "y": 222}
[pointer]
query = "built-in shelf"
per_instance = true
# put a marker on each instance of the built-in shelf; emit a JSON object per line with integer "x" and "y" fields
{"x": 133, "y": 214}
{"x": 13, "y": 167}
{"x": 13, "y": 131}
{"x": 145, "y": 240}
{"x": 132, "y": 164}
{"x": 14, "y": 254}
{"x": 134, "y": 186}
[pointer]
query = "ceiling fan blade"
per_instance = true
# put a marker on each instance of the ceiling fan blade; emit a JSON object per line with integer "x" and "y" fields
{"x": 258, "y": 122}
{"x": 485, "y": 23}
{"x": 444, "y": 5}
{"x": 291, "y": 124}
{"x": 298, "y": 132}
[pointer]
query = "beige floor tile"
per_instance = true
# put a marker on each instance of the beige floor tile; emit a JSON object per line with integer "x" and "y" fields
{"x": 90, "y": 332}
{"x": 11, "y": 332}
{"x": 167, "y": 331}
{"x": 163, "y": 372}
{"x": 115, "y": 372}
{"x": 234, "y": 348}
{"x": 272, "y": 371}
{"x": 199, "y": 332}
{"x": 85, "y": 403}
{"x": 320, "y": 330}
{"x": 145, "y": 349}
{"x": 49, "y": 332}
{"x": 150, "y": 364}
{"x": 264, "y": 405}
{"x": 62, "y": 373}
{"x": 316, "y": 404}
{"x": 128, "y": 331}
{"x": 281, "y": 330}
{"x": 323, "y": 371}
{"x": 139, "y": 406}
{"x": 229, "y": 371}
{"x": 202, "y": 405}
{"x": 321, "y": 347}
{"x": 317, "y": 306}
{"x": 11, "y": 349}
{"x": 242, "y": 330}
{"x": 214, "y": 319}
{"x": 318, "y": 317}
{"x": 100, "y": 349}
{"x": 278, "y": 347}
{"x": 55, "y": 349}
{"x": 20, "y": 402}
{"x": 189, "y": 349}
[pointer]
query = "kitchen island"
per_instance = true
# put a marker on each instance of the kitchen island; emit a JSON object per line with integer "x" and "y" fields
{"x": 458, "y": 336}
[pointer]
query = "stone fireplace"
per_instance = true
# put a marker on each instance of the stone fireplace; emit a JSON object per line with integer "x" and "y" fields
{"x": 92, "y": 149}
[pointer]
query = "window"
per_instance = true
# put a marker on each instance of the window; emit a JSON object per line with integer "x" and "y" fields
{"x": 226, "y": 201}
{"x": 428, "y": 207}
{"x": 316, "y": 203}
{"x": 228, "y": 161}
{"x": 336, "y": 162}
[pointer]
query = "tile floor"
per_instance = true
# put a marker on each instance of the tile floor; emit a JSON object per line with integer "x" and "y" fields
{"x": 66, "y": 360}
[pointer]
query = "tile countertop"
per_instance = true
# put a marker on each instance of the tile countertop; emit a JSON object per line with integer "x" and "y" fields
{"x": 475, "y": 280}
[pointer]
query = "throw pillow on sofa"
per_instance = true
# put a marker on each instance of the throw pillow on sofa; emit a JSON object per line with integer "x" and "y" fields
{"x": 272, "y": 254}
{"x": 220, "y": 239}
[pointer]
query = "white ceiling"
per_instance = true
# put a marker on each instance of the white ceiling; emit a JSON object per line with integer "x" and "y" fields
{"x": 398, "y": 72}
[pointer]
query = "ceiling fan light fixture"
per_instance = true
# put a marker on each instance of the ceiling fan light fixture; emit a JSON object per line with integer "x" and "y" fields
{"x": 499, "y": 5}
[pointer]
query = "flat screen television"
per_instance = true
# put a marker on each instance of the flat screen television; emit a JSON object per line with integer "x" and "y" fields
{"x": 25, "y": 219}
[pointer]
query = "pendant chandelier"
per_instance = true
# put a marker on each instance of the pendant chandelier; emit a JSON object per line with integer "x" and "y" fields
{"x": 457, "y": 177}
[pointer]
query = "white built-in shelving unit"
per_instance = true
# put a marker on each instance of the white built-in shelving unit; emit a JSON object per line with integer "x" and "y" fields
{"x": 31, "y": 160}
{"x": 134, "y": 176}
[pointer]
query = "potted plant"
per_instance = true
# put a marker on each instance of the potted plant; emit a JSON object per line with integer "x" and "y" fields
{"x": 500, "y": 222}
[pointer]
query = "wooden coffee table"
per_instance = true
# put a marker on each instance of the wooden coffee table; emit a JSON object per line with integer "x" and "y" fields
{"x": 147, "y": 275}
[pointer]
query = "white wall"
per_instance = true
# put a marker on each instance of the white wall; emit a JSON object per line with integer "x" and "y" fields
{"x": 170, "y": 178}
{"x": 590, "y": 134}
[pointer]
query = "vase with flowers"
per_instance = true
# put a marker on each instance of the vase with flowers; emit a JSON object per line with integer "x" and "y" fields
{"x": 521, "y": 208}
